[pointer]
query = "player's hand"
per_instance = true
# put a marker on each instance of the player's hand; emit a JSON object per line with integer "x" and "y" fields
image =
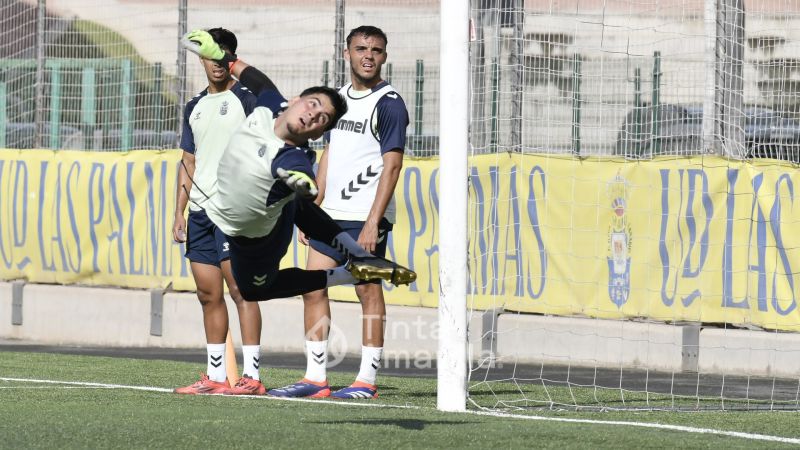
{"x": 300, "y": 183}
{"x": 368, "y": 238}
{"x": 201, "y": 43}
{"x": 302, "y": 238}
{"x": 179, "y": 229}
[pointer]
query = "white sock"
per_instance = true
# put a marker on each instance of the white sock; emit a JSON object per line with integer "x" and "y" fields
{"x": 316, "y": 360}
{"x": 252, "y": 358}
{"x": 215, "y": 369}
{"x": 339, "y": 275}
{"x": 370, "y": 362}
{"x": 348, "y": 246}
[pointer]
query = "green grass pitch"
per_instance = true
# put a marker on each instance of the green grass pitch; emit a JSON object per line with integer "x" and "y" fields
{"x": 70, "y": 414}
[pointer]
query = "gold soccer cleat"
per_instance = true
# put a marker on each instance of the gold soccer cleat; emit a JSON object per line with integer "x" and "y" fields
{"x": 367, "y": 268}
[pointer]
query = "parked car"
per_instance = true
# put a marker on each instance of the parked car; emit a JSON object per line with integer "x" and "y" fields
{"x": 679, "y": 131}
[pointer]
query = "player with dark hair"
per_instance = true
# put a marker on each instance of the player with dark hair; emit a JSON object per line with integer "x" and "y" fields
{"x": 357, "y": 176}
{"x": 209, "y": 121}
{"x": 265, "y": 186}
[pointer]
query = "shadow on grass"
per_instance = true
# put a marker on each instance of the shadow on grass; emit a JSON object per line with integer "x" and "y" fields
{"x": 406, "y": 424}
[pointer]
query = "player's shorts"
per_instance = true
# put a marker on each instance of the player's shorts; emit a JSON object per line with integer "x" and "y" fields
{"x": 205, "y": 243}
{"x": 353, "y": 228}
{"x": 255, "y": 261}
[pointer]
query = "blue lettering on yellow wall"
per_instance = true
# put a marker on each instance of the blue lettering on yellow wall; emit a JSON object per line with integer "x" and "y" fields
{"x": 479, "y": 197}
{"x": 433, "y": 248}
{"x": 116, "y": 234}
{"x": 727, "y": 256}
{"x": 413, "y": 175}
{"x": 693, "y": 176}
{"x": 775, "y": 222}
{"x": 760, "y": 250}
{"x": 96, "y": 218}
{"x": 76, "y": 246}
{"x": 663, "y": 252}
{"x": 494, "y": 227}
{"x": 46, "y": 265}
{"x": 516, "y": 254}
{"x": 57, "y": 219}
{"x": 533, "y": 216}
{"x": 20, "y": 218}
{"x": 131, "y": 214}
{"x": 4, "y": 203}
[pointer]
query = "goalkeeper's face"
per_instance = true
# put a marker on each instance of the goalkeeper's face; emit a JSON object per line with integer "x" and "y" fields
{"x": 214, "y": 72}
{"x": 308, "y": 116}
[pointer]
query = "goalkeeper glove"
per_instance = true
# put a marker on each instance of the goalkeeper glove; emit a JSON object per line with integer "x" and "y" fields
{"x": 201, "y": 43}
{"x": 299, "y": 182}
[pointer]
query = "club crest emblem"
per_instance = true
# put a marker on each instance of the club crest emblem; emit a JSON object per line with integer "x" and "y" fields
{"x": 262, "y": 151}
{"x": 619, "y": 243}
{"x": 223, "y": 108}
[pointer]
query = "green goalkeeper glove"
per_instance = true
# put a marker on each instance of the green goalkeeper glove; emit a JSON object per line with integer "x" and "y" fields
{"x": 299, "y": 182}
{"x": 201, "y": 43}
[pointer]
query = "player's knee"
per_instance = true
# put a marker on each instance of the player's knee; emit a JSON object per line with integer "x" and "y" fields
{"x": 315, "y": 297}
{"x": 235, "y": 294}
{"x": 209, "y": 296}
{"x": 370, "y": 295}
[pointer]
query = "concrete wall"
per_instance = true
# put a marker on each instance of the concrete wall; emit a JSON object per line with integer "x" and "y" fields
{"x": 73, "y": 315}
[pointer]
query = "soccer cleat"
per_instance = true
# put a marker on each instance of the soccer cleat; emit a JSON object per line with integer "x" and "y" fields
{"x": 357, "y": 390}
{"x": 247, "y": 386}
{"x": 205, "y": 386}
{"x": 303, "y": 388}
{"x": 367, "y": 268}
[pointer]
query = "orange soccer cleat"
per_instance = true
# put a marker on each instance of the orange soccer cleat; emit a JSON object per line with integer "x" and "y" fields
{"x": 247, "y": 386}
{"x": 205, "y": 386}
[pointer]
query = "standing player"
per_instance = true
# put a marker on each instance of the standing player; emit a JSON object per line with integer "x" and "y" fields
{"x": 265, "y": 186}
{"x": 209, "y": 120}
{"x": 357, "y": 176}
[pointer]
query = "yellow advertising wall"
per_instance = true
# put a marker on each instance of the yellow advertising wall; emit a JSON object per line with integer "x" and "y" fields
{"x": 697, "y": 239}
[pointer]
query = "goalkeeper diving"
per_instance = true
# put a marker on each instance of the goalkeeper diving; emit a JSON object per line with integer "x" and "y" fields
{"x": 265, "y": 186}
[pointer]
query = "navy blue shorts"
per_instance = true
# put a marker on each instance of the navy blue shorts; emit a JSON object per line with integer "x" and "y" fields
{"x": 353, "y": 228}
{"x": 255, "y": 262}
{"x": 205, "y": 243}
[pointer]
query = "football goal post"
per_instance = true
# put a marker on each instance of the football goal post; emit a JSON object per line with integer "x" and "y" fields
{"x": 618, "y": 205}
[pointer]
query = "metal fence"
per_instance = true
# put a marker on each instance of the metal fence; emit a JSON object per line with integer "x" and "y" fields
{"x": 636, "y": 79}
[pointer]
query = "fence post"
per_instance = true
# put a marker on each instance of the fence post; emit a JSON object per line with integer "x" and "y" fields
{"x": 126, "y": 108}
{"x": 338, "y": 46}
{"x": 88, "y": 109}
{"x": 576, "y": 104}
{"x": 495, "y": 104}
{"x": 157, "y": 75}
{"x": 38, "y": 112}
{"x": 181, "y": 68}
{"x": 654, "y": 139}
{"x": 419, "y": 98}
{"x": 3, "y": 113}
{"x": 55, "y": 105}
{"x": 516, "y": 60}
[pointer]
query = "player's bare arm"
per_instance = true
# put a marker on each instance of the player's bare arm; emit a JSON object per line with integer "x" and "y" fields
{"x": 185, "y": 175}
{"x": 392, "y": 164}
{"x": 322, "y": 171}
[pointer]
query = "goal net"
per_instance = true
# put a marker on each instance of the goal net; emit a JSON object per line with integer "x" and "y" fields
{"x": 632, "y": 204}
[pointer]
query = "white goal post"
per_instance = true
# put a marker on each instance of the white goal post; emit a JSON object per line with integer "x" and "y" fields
{"x": 454, "y": 120}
